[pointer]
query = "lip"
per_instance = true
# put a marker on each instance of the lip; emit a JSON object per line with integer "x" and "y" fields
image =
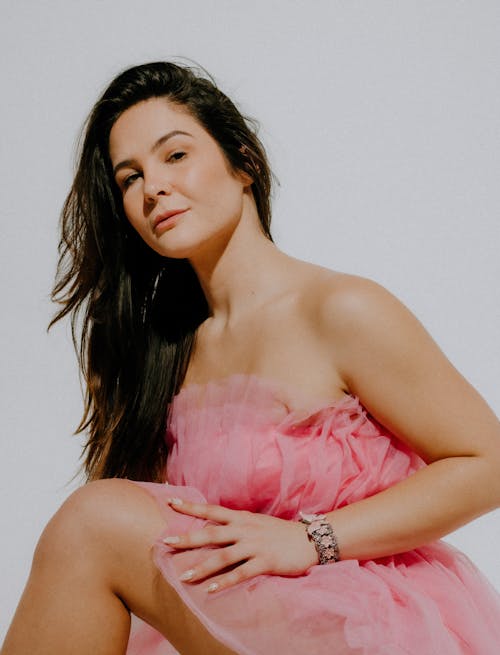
{"x": 166, "y": 218}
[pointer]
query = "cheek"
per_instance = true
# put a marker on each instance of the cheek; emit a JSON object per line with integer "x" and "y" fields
{"x": 132, "y": 208}
{"x": 133, "y": 213}
{"x": 216, "y": 187}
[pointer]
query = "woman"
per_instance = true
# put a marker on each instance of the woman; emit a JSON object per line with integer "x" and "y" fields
{"x": 290, "y": 390}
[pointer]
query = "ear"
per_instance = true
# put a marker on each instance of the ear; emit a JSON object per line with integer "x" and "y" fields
{"x": 244, "y": 178}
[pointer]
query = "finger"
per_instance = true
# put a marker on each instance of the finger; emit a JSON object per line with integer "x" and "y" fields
{"x": 245, "y": 571}
{"x": 223, "y": 558}
{"x": 201, "y": 510}
{"x": 210, "y": 535}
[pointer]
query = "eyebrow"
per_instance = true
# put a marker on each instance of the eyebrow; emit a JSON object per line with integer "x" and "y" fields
{"x": 157, "y": 144}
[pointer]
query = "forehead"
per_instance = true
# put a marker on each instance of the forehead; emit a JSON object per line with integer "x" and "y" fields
{"x": 142, "y": 124}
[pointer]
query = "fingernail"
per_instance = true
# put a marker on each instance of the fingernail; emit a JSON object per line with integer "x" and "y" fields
{"x": 213, "y": 587}
{"x": 171, "y": 540}
{"x": 187, "y": 575}
{"x": 174, "y": 501}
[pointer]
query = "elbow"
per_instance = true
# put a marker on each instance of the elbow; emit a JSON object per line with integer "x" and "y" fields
{"x": 489, "y": 477}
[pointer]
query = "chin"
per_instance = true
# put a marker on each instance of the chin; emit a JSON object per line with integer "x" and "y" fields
{"x": 178, "y": 245}
{"x": 176, "y": 248}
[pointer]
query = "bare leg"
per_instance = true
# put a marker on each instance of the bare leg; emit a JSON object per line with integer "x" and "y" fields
{"x": 92, "y": 565}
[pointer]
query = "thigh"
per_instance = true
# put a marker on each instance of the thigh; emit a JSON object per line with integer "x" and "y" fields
{"x": 109, "y": 527}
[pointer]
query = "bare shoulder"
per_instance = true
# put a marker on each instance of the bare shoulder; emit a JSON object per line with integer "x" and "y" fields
{"x": 361, "y": 322}
{"x": 357, "y": 320}
{"x": 351, "y": 302}
{"x": 341, "y": 302}
{"x": 353, "y": 316}
{"x": 381, "y": 353}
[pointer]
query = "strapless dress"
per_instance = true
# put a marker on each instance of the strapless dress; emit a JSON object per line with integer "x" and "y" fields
{"x": 246, "y": 442}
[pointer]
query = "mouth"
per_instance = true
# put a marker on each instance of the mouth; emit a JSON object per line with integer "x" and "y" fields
{"x": 167, "y": 218}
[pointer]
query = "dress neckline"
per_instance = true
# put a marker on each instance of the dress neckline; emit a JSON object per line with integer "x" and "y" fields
{"x": 304, "y": 405}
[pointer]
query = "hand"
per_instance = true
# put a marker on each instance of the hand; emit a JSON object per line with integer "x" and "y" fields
{"x": 250, "y": 543}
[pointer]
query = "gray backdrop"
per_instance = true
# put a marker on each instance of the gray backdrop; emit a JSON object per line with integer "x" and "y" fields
{"x": 382, "y": 123}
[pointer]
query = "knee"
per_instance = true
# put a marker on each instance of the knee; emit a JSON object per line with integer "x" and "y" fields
{"x": 92, "y": 515}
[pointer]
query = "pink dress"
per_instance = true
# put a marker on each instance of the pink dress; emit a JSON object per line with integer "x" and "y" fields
{"x": 243, "y": 443}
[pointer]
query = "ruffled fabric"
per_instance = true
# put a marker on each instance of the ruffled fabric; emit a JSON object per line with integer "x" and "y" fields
{"x": 250, "y": 443}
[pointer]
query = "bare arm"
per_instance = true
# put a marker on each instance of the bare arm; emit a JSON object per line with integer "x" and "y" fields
{"x": 389, "y": 361}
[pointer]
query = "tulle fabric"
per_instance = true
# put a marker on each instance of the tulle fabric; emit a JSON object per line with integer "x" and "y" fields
{"x": 250, "y": 443}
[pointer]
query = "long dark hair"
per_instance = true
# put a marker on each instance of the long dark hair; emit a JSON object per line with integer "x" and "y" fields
{"x": 134, "y": 314}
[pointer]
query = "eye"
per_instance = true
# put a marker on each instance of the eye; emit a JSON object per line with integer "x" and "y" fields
{"x": 127, "y": 181}
{"x": 176, "y": 156}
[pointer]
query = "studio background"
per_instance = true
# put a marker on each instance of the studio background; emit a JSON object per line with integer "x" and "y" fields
{"x": 381, "y": 119}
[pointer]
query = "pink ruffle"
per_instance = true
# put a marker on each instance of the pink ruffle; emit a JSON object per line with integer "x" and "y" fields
{"x": 241, "y": 442}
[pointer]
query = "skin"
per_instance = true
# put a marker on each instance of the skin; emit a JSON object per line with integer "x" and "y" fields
{"x": 342, "y": 331}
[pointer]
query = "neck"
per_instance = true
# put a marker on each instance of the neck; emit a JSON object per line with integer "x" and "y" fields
{"x": 241, "y": 273}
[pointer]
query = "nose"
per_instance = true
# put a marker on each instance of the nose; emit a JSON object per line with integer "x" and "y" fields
{"x": 155, "y": 187}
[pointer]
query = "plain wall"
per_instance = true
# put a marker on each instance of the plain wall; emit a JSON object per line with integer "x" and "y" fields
{"x": 382, "y": 123}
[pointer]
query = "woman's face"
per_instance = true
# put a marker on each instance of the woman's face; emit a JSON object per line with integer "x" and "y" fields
{"x": 178, "y": 189}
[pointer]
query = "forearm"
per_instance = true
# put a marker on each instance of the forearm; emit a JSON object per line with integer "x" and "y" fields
{"x": 429, "y": 504}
